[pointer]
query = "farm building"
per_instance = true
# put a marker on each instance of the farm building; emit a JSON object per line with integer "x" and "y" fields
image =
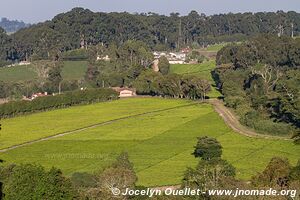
{"x": 125, "y": 92}
{"x": 173, "y": 58}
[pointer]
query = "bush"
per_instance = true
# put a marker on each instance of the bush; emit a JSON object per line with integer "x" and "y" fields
{"x": 29, "y": 181}
{"x": 59, "y": 101}
{"x": 255, "y": 121}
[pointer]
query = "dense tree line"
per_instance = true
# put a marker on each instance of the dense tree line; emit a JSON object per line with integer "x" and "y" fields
{"x": 81, "y": 28}
{"x": 117, "y": 65}
{"x": 260, "y": 79}
{"x": 67, "y": 99}
{"x": 5, "y": 47}
{"x": 171, "y": 85}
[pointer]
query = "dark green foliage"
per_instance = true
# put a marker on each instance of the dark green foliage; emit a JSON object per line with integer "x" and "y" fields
{"x": 5, "y": 45}
{"x": 75, "y": 55}
{"x": 171, "y": 85}
{"x": 211, "y": 171}
{"x": 295, "y": 172}
{"x": 81, "y": 28}
{"x": 208, "y": 148}
{"x": 54, "y": 79}
{"x": 33, "y": 182}
{"x": 195, "y": 56}
{"x": 18, "y": 89}
{"x": 164, "y": 65}
{"x": 83, "y": 180}
{"x": 1, "y": 184}
{"x": 117, "y": 66}
{"x": 58, "y": 101}
{"x": 260, "y": 79}
{"x": 123, "y": 161}
{"x": 92, "y": 74}
{"x": 120, "y": 175}
{"x": 276, "y": 174}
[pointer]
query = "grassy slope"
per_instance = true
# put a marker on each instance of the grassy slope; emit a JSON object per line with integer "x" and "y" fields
{"x": 17, "y": 73}
{"x": 202, "y": 70}
{"x": 160, "y": 144}
{"x": 216, "y": 47}
{"x": 73, "y": 70}
{"x": 31, "y": 127}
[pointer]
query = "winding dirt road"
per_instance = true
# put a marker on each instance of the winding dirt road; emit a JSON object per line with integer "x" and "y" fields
{"x": 232, "y": 121}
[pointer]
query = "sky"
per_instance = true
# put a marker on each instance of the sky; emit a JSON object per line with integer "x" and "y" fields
{"x": 33, "y": 11}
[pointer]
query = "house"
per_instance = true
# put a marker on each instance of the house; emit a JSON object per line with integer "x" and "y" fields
{"x": 125, "y": 92}
{"x": 24, "y": 63}
{"x": 173, "y": 58}
{"x": 105, "y": 58}
{"x": 36, "y": 95}
{"x": 186, "y": 50}
{"x": 177, "y": 58}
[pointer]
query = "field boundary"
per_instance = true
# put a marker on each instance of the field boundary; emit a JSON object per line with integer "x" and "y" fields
{"x": 90, "y": 127}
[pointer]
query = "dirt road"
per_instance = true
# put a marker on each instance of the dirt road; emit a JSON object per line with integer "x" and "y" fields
{"x": 232, "y": 121}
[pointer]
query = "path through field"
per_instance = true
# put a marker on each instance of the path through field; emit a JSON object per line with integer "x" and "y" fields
{"x": 231, "y": 120}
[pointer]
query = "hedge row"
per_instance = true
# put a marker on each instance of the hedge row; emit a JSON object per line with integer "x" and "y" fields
{"x": 67, "y": 99}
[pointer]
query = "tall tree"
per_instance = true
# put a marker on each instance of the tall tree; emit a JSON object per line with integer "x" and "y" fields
{"x": 207, "y": 148}
{"x": 163, "y": 65}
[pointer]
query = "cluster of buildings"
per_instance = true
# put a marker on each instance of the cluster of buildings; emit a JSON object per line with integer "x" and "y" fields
{"x": 35, "y": 95}
{"x": 22, "y": 63}
{"x": 173, "y": 57}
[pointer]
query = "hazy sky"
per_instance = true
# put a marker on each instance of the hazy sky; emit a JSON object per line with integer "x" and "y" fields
{"x": 40, "y": 10}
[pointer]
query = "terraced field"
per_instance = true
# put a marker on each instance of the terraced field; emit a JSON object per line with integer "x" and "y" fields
{"x": 158, "y": 134}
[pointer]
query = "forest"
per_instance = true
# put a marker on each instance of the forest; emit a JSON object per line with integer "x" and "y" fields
{"x": 260, "y": 79}
{"x": 82, "y": 28}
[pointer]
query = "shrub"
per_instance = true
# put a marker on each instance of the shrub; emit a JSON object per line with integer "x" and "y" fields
{"x": 59, "y": 101}
{"x": 255, "y": 121}
{"x": 34, "y": 182}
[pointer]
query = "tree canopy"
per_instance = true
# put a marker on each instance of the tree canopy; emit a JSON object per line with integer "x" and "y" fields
{"x": 260, "y": 79}
{"x": 80, "y": 28}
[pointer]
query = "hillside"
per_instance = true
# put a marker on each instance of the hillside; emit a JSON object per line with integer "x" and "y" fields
{"x": 81, "y": 27}
{"x": 157, "y": 134}
{"x": 72, "y": 70}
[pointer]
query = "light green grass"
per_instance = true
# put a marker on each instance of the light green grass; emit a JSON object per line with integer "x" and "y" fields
{"x": 31, "y": 127}
{"x": 17, "y": 73}
{"x": 159, "y": 144}
{"x": 201, "y": 70}
{"x": 72, "y": 70}
{"x": 216, "y": 47}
